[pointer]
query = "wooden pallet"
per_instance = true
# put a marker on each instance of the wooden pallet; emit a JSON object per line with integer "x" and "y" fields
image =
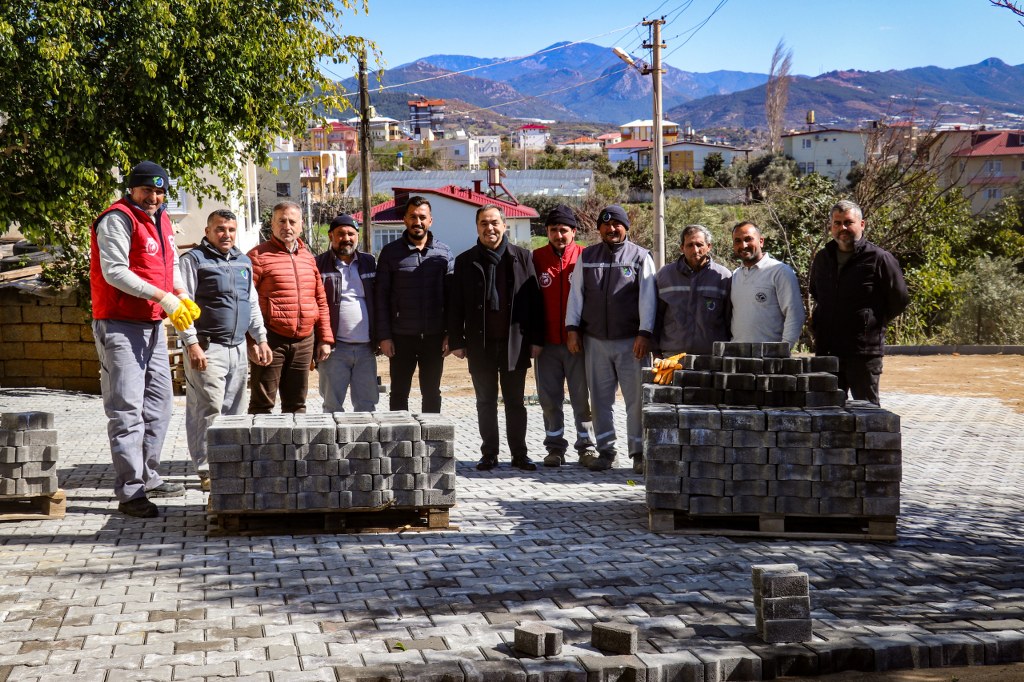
{"x": 34, "y": 508}
{"x": 790, "y": 526}
{"x": 304, "y": 522}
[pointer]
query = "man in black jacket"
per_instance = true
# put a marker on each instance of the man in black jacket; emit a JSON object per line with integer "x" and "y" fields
{"x": 411, "y": 290}
{"x": 496, "y": 321}
{"x": 858, "y": 288}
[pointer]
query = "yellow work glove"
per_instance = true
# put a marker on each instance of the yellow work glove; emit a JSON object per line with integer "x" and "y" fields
{"x": 192, "y": 306}
{"x": 666, "y": 368}
{"x": 176, "y": 309}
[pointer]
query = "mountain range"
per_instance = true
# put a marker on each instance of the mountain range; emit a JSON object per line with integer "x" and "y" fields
{"x": 586, "y": 82}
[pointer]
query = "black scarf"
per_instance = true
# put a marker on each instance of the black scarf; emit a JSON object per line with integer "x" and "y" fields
{"x": 491, "y": 260}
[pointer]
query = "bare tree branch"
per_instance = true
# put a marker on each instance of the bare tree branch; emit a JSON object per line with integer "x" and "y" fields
{"x": 776, "y": 95}
{"x": 1012, "y": 6}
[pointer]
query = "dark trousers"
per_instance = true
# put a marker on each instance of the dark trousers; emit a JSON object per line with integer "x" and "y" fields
{"x": 411, "y": 351}
{"x": 485, "y": 370}
{"x": 860, "y": 374}
{"x": 287, "y": 373}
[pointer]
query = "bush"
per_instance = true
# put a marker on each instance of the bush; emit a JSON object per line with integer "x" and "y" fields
{"x": 988, "y": 305}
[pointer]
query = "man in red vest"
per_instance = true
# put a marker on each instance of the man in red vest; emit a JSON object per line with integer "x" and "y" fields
{"x": 135, "y": 284}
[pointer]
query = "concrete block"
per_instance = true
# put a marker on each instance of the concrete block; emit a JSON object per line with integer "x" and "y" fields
{"x": 753, "y": 504}
{"x": 269, "y": 485}
{"x": 440, "y": 465}
{"x": 503, "y": 670}
{"x": 746, "y": 420}
{"x": 618, "y": 638}
{"x": 753, "y": 472}
{"x": 700, "y": 504}
{"x": 752, "y": 439}
{"x": 834, "y": 489}
{"x": 791, "y": 455}
{"x": 734, "y": 349}
{"x": 701, "y": 396}
{"x": 230, "y": 502}
{"x": 797, "y": 505}
{"x": 409, "y": 431}
{"x": 841, "y": 439}
{"x": 314, "y": 500}
{"x": 689, "y": 378}
{"x": 272, "y": 469}
{"x": 839, "y": 472}
{"x": 38, "y": 437}
{"x": 658, "y": 484}
{"x": 267, "y": 430}
{"x": 668, "y": 501}
{"x": 666, "y": 452}
{"x": 835, "y": 398}
{"x": 355, "y": 450}
{"x": 742, "y": 365}
{"x": 439, "y": 498}
{"x": 875, "y": 419}
{"x": 782, "y": 608}
{"x": 883, "y": 472}
{"x": 836, "y": 419}
{"x": 667, "y": 395}
{"x": 775, "y": 349}
{"x": 537, "y": 639}
{"x": 817, "y": 382}
{"x": 230, "y": 470}
{"x": 745, "y": 455}
{"x": 660, "y": 417}
{"x": 23, "y": 421}
{"x": 881, "y": 506}
{"x": 849, "y": 506}
{"x": 788, "y": 420}
{"x": 436, "y": 427}
{"x": 721, "y": 472}
{"x": 733, "y": 488}
{"x": 435, "y": 448}
{"x": 663, "y": 437}
{"x": 274, "y": 501}
{"x": 736, "y": 382}
{"x": 796, "y": 439}
{"x": 676, "y": 666}
{"x": 797, "y": 472}
{"x": 823, "y": 363}
{"x": 700, "y": 417}
{"x": 867, "y": 456}
{"x": 409, "y": 498}
{"x": 779, "y": 582}
{"x": 780, "y": 631}
{"x": 702, "y": 453}
{"x": 713, "y": 437}
{"x": 701, "y": 486}
{"x": 882, "y": 440}
{"x": 296, "y": 452}
{"x": 407, "y": 465}
{"x": 263, "y": 452}
{"x": 661, "y": 467}
{"x": 791, "y": 366}
{"x": 225, "y": 484}
{"x": 842, "y": 456}
{"x": 607, "y": 669}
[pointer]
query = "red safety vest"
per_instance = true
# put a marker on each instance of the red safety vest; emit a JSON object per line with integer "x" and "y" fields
{"x": 151, "y": 257}
{"x": 554, "y": 275}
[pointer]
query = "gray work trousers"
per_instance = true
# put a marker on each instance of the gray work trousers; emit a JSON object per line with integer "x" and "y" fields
{"x": 349, "y": 366}
{"x": 135, "y": 379}
{"x": 554, "y": 368}
{"x": 610, "y": 363}
{"x": 219, "y": 389}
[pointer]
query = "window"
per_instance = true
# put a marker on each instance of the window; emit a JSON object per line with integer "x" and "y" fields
{"x": 828, "y": 162}
{"x": 806, "y": 144}
{"x": 994, "y": 167}
{"x": 284, "y": 189}
{"x": 994, "y": 193}
{"x": 176, "y": 200}
{"x": 385, "y": 235}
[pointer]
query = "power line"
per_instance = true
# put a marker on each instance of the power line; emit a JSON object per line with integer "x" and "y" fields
{"x": 694, "y": 30}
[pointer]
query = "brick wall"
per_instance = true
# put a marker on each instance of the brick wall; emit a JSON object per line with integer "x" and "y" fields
{"x": 45, "y": 340}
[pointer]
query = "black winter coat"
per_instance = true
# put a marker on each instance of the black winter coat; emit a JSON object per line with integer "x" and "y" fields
{"x": 411, "y": 288}
{"x": 467, "y": 307}
{"x": 853, "y": 305}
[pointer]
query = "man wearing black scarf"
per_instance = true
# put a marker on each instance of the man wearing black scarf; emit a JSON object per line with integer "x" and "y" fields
{"x": 496, "y": 321}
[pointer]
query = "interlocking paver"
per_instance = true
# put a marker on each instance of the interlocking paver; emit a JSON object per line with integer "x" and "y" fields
{"x": 566, "y": 546}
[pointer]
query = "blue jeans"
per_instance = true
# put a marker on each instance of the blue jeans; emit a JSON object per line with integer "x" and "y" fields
{"x": 349, "y": 366}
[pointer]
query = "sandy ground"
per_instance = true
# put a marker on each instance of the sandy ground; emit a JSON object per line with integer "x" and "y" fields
{"x": 988, "y": 673}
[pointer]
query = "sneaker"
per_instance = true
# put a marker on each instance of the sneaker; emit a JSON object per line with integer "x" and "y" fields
{"x": 554, "y": 459}
{"x": 523, "y": 464}
{"x": 140, "y": 508}
{"x": 602, "y": 463}
{"x": 638, "y": 463}
{"x": 587, "y": 457}
{"x": 166, "y": 489}
{"x": 487, "y": 463}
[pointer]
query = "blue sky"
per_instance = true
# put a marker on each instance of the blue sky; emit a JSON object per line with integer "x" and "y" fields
{"x": 825, "y": 35}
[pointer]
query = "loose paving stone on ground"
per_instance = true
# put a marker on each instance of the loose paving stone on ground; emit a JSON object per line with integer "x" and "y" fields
{"x": 97, "y": 595}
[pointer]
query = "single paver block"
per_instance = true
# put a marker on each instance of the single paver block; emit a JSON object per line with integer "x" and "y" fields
{"x": 619, "y": 638}
{"x": 538, "y": 639}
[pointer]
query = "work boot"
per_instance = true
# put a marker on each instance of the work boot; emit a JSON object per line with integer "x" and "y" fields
{"x": 554, "y": 459}
{"x": 166, "y": 489}
{"x": 140, "y": 508}
{"x": 587, "y": 457}
{"x": 487, "y": 463}
{"x": 523, "y": 463}
{"x": 204, "y": 481}
{"x": 638, "y": 462}
{"x": 602, "y": 463}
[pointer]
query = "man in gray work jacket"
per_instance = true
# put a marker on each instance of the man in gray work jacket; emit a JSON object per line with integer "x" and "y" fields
{"x": 219, "y": 277}
{"x": 612, "y": 306}
{"x": 693, "y": 298}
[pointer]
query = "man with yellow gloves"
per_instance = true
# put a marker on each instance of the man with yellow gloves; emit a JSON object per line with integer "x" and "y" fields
{"x": 135, "y": 284}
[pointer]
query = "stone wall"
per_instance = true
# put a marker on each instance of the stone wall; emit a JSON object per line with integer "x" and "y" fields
{"x": 45, "y": 339}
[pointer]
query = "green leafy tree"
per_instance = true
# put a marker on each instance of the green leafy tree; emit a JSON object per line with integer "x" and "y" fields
{"x": 714, "y": 164}
{"x": 88, "y": 86}
{"x": 988, "y": 304}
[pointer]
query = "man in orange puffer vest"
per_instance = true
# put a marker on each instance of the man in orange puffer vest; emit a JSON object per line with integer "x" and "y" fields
{"x": 135, "y": 283}
{"x": 294, "y": 306}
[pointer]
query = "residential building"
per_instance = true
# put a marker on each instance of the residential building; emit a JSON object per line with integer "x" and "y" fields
{"x": 689, "y": 155}
{"x": 533, "y": 136}
{"x": 457, "y": 153}
{"x": 627, "y": 150}
{"x": 831, "y": 152}
{"x": 488, "y": 146}
{"x": 554, "y": 183}
{"x": 454, "y": 212}
{"x": 336, "y": 136}
{"x": 313, "y": 174}
{"x": 643, "y": 129}
{"x": 609, "y": 138}
{"x": 189, "y": 218}
{"x": 987, "y": 164}
{"x": 581, "y": 144}
{"x": 427, "y": 115}
{"x": 382, "y": 129}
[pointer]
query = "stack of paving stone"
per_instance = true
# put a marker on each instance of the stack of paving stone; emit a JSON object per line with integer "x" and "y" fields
{"x": 326, "y": 462}
{"x": 782, "y": 603}
{"x": 28, "y": 454}
{"x": 783, "y": 447}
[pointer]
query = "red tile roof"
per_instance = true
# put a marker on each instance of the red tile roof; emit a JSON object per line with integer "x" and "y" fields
{"x": 995, "y": 143}
{"x": 631, "y": 144}
{"x": 533, "y": 126}
{"x": 387, "y": 212}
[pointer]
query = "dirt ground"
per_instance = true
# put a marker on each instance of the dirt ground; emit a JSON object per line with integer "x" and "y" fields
{"x": 985, "y": 376}
{"x": 988, "y": 673}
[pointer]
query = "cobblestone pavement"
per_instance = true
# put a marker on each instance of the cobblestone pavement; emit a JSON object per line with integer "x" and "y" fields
{"x": 99, "y": 596}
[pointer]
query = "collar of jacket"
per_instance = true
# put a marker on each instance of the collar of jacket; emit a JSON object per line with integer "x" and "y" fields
{"x": 832, "y": 248}
{"x": 232, "y": 253}
{"x": 427, "y": 245}
{"x": 280, "y": 244}
{"x": 685, "y": 268}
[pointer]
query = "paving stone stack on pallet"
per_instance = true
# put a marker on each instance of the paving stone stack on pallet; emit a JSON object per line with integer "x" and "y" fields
{"x": 331, "y": 462}
{"x": 28, "y": 454}
{"x": 760, "y": 435}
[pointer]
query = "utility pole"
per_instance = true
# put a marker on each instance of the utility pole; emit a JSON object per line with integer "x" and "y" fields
{"x": 657, "y": 157}
{"x": 364, "y": 153}
{"x": 658, "y": 153}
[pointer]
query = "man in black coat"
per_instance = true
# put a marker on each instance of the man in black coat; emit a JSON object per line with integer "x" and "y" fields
{"x": 496, "y": 321}
{"x": 858, "y": 288}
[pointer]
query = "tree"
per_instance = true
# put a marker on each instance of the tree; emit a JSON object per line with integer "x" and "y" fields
{"x": 1014, "y": 7}
{"x": 713, "y": 166}
{"x": 87, "y": 86}
{"x": 776, "y": 95}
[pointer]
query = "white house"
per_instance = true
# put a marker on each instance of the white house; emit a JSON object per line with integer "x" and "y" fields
{"x": 689, "y": 155}
{"x": 831, "y": 152}
{"x": 322, "y": 173}
{"x": 627, "y": 150}
{"x": 454, "y": 211}
{"x": 533, "y": 136}
{"x": 458, "y": 153}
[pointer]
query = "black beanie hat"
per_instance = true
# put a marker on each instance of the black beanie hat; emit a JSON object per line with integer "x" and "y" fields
{"x": 613, "y": 212}
{"x": 561, "y": 215}
{"x": 148, "y": 174}
{"x": 343, "y": 219}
